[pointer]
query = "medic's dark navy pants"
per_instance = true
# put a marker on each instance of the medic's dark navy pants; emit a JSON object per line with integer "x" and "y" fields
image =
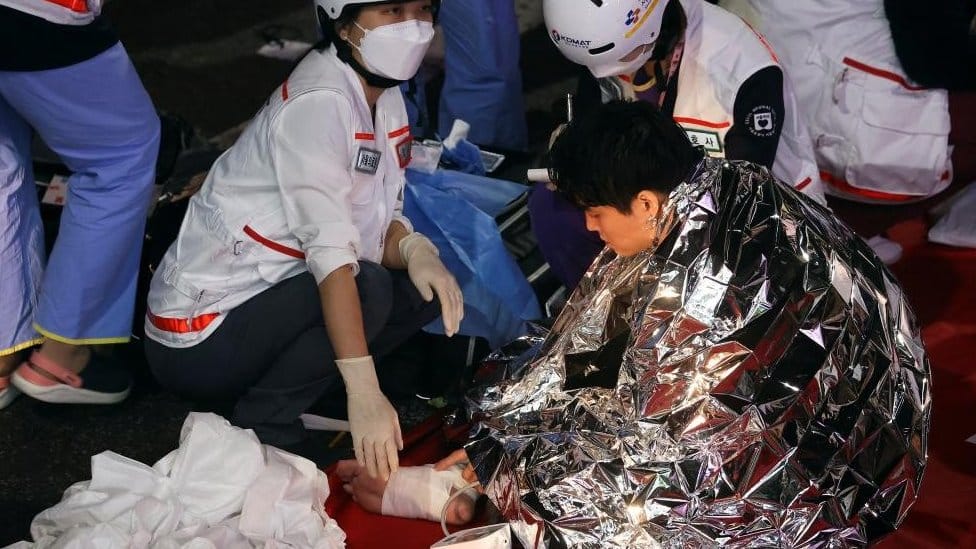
{"x": 271, "y": 357}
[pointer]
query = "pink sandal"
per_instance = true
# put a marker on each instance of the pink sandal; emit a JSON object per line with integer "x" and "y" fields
{"x": 99, "y": 383}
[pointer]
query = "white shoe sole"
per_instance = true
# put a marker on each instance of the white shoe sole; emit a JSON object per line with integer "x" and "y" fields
{"x": 8, "y": 395}
{"x": 64, "y": 394}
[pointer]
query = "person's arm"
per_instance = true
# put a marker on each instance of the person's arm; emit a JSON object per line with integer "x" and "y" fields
{"x": 406, "y": 249}
{"x": 315, "y": 184}
{"x": 391, "y": 252}
{"x": 310, "y": 152}
{"x": 343, "y": 313}
{"x": 373, "y": 422}
{"x": 757, "y": 118}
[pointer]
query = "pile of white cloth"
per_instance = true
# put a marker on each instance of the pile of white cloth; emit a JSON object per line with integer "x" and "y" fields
{"x": 220, "y": 488}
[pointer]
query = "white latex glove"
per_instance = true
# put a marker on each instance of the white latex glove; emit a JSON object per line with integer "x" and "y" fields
{"x": 429, "y": 275}
{"x": 373, "y": 423}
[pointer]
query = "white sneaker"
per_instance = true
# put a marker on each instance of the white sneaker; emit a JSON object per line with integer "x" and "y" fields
{"x": 888, "y": 251}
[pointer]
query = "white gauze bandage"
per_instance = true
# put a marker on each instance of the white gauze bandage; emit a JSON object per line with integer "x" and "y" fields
{"x": 420, "y": 492}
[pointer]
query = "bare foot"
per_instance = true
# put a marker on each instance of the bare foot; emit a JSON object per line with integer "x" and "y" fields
{"x": 368, "y": 492}
{"x": 71, "y": 357}
{"x": 66, "y": 355}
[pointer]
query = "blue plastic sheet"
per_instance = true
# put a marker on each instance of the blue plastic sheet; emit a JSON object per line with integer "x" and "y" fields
{"x": 457, "y": 212}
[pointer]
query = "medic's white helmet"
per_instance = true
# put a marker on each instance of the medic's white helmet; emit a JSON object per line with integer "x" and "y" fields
{"x": 599, "y": 34}
{"x": 333, "y": 8}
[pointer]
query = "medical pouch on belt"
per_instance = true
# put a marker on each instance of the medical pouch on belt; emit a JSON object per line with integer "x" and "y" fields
{"x": 721, "y": 52}
{"x": 883, "y": 139}
{"x": 270, "y": 209}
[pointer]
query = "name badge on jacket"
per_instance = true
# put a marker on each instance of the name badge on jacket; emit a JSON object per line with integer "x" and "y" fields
{"x": 367, "y": 160}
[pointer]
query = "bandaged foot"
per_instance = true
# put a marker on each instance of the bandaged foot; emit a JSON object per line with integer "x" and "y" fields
{"x": 422, "y": 492}
{"x": 411, "y": 492}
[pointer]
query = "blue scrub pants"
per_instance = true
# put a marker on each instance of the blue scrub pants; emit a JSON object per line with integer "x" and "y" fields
{"x": 482, "y": 76}
{"x": 98, "y": 118}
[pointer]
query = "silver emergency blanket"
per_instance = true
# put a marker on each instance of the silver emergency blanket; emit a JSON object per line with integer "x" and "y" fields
{"x": 757, "y": 380}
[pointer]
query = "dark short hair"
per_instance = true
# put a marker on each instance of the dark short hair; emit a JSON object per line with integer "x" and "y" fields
{"x": 607, "y": 156}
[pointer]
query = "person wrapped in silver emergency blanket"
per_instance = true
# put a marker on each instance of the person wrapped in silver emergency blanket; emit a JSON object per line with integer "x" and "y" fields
{"x": 736, "y": 368}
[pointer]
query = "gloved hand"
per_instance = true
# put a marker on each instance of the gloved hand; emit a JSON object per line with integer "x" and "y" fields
{"x": 429, "y": 275}
{"x": 373, "y": 423}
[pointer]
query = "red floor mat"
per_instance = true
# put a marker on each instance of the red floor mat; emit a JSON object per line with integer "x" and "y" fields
{"x": 424, "y": 444}
{"x": 941, "y": 284}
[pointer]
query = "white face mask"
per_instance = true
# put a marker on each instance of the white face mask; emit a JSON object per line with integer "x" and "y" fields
{"x": 395, "y": 51}
{"x": 624, "y": 68}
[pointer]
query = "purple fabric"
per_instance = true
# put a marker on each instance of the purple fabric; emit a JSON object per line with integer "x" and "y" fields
{"x": 560, "y": 229}
{"x": 650, "y": 95}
